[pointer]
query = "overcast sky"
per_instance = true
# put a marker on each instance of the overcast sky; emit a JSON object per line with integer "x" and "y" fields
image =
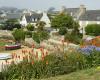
{"x": 45, "y": 4}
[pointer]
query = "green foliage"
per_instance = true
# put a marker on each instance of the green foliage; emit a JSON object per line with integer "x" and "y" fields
{"x": 40, "y": 25}
{"x": 40, "y": 36}
{"x": 10, "y": 24}
{"x": 93, "y": 59}
{"x": 93, "y": 29}
{"x": 73, "y": 38}
{"x": 52, "y": 65}
{"x": 30, "y": 27}
{"x": 62, "y": 31}
{"x": 28, "y": 34}
{"x": 62, "y": 20}
{"x": 18, "y": 34}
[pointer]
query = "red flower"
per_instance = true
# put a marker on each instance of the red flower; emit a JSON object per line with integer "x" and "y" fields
{"x": 37, "y": 55}
{"x": 46, "y": 62}
{"x": 19, "y": 57}
{"x": 32, "y": 62}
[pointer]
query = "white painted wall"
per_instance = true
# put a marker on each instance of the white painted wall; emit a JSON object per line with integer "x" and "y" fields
{"x": 23, "y": 22}
{"x": 46, "y": 19}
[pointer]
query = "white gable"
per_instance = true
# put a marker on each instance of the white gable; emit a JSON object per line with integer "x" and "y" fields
{"x": 46, "y": 19}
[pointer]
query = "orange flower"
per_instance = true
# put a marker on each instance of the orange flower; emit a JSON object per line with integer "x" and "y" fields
{"x": 19, "y": 57}
{"x": 46, "y": 62}
{"x": 32, "y": 62}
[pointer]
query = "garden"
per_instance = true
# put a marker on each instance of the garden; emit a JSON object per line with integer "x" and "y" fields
{"x": 42, "y": 63}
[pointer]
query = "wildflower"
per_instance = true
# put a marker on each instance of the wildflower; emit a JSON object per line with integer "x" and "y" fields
{"x": 46, "y": 62}
{"x": 32, "y": 62}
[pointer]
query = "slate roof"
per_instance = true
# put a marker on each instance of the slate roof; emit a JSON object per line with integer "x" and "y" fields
{"x": 30, "y": 19}
{"x": 91, "y": 15}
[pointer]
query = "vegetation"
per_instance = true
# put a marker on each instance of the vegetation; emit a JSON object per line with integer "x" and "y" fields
{"x": 11, "y": 24}
{"x": 40, "y": 25}
{"x": 93, "y": 29}
{"x": 40, "y": 33}
{"x": 30, "y": 27}
{"x": 40, "y": 36}
{"x": 87, "y": 74}
{"x": 19, "y": 35}
{"x": 68, "y": 27}
{"x": 51, "y": 65}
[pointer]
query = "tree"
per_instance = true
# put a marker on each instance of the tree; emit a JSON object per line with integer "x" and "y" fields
{"x": 30, "y": 27}
{"x": 65, "y": 24}
{"x": 62, "y": 30}
{"x": 92, "y": 29}
{"x": 40, "y": 36}
{"x": 62, "y": 20}
{"x": 10, "y": 24}
{"x": 19, "y": 35}
{"x": 40, "y": 25}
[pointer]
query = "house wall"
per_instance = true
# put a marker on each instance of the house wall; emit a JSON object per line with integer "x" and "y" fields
{"x": 46, "y": 19}
{"x": 23, "y": 22}
{"x": 83, "y": 24}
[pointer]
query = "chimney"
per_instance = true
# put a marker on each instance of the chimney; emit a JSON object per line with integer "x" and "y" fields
{"x": 82, "y": 10}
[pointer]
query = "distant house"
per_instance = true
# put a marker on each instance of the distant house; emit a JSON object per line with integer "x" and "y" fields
{"x": 82, "y": 15}
{"x": 34, "y": 18}
{"x": 89, "y": 17}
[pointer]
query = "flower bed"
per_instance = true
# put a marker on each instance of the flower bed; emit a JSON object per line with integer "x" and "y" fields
{"x": 89, "y": 49}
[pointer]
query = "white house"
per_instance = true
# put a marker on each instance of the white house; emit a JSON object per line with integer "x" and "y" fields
{"x": 34, "y": 18}
{"x": 89, "y": 17}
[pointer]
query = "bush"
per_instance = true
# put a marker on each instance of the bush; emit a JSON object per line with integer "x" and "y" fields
{"x": 28, "y": 34}
{"x": 62, "y": 31}
{"x": 40, "y": 36}
{"x": 93, "y": 29}
{"x": 73, "y": 38}
{"x": 19, "y": 34}
{"x": 30, "y": 27}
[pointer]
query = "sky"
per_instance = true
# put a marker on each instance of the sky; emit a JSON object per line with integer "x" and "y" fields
{"x": 45, "y": 4}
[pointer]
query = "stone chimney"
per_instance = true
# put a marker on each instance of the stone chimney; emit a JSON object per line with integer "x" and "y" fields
{"x": 63, "y": 9}
{"x": 82, "y": 10}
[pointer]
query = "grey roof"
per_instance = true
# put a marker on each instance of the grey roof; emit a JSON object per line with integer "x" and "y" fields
{"x": 37, "y": 16}
{"x": 13, "y": 16}
{"x": 91, "y": 15}
{"x": 30, "y": 18}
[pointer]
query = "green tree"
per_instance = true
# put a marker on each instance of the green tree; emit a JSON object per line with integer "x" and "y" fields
{"x": 92, "y": 29}
{"x": 19, "y": 35}
{"x": 40, "y": 25}
{"x": 65, "y": 23}
{"x": 62, "y": 20}
{"x": 40, "y": 36}
{"x": 62, "y": 30}
{"x": 10, "y": 24}
{"x": 30, "y": 27}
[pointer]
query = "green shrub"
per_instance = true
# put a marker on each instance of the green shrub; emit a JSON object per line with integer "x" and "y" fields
{"x": 30, "y": 27}
{"x": 93, "y": 29}
{"x": 93, "y": 59}
{"x": 62, "y": 31}
{"x": 28, "y": 34}
{"x": 19, "y": 34}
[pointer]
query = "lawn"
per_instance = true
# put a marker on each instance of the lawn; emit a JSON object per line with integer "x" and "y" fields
{"x": 2, "y": 43}
{"x": 88, "y": 74}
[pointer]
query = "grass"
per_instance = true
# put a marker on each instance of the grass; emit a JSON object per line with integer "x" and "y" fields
{"x": 88, "y": 74}
{"x": 2, "y": 43}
